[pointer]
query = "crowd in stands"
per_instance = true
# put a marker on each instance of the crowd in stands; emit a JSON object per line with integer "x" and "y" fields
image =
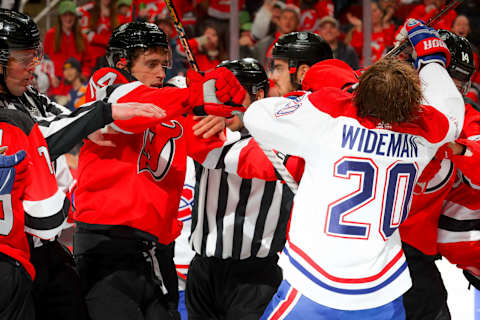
{"x": 76, "y": 45}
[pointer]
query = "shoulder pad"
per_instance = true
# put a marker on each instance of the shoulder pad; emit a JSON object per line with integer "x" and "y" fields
{"x": 18, "y": 119}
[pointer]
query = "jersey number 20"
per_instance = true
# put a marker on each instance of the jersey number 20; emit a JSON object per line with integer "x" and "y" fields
{"x": 399, "y": 182}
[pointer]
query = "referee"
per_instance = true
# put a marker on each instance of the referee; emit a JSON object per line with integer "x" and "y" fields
{"x": 238, "y": 226}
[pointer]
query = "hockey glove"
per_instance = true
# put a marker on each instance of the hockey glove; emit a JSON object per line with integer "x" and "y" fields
{"x": 9, "y": 171}
{"x": 469, "y": 162}
{"x": 428, "y": 47}
{"x": 217, "y": 93}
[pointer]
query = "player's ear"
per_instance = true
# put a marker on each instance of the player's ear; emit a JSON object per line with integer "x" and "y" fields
{"x": 302, "y": 70}
{"x": 121, "y": 64}
{"x": 260, "y": 94}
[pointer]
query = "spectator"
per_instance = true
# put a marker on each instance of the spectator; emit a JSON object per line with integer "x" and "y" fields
{"x": 209, "y": 48}
{"x": 288, "y": 22}
{"x": 66, "y": 40}
{"x": 73, "y": 76}
{"x": 461, "y": 26}
{"x": 311, "y": 12}
{"x": 431, "y": 8}
{"x": 247, "y": 42}
{"x": 382, "y": 33}
{"x": 179, "y": 63}
{"x": 124, "y": 12}
{"x": 267, "y": 19}
{"x": 98, "y": 19}
{"x": 328, "y": 30}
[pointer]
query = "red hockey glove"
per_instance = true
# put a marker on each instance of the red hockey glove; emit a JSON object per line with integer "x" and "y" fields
{"x": 470, "y": 161}
{"x": 217, "y": 93}
{"x": 428, "y": 47}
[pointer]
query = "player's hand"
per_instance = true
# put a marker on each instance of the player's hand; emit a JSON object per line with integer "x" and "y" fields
{"x": 98, "y": 137}
{"x": 468, "y": 160}
{"x": 427, "y": 44}
{"x": 217, "y": 93}
{"x": 11, "y": 169}
{"x": 126, "y": 111}
{"x": 209, "y": 126}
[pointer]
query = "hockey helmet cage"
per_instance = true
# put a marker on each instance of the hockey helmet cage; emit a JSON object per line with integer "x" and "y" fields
{"x": 249, "y": 72}
{"x": 135, "y": 35}
{"x": 462, "y": 64}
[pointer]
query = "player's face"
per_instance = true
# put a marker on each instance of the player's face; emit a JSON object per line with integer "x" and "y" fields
{"x": 149, "y": 67}
{"x": 281, "y": 77}
{"x": 20, "y": 69}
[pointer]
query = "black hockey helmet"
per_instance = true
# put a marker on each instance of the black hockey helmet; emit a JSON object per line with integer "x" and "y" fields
{"x": 301, "y": 48}
{"x": 128, "y": 37}
{"x": 250, "y": 73}
{"x": 17, "y": 32}
{"x": 462, "y": 65}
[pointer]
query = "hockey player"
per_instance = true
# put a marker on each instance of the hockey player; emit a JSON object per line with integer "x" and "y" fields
{"x": 127, "y": 215}
{"x": 343, "y": 257}
{"x": 238, "y": 225}
{"x": 293, "y": 54}
{"x": 20, "y": 51}
{"x": 427, "y": 299}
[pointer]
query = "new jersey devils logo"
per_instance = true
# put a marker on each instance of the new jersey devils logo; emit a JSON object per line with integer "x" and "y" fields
{"x": 158, "y": 149}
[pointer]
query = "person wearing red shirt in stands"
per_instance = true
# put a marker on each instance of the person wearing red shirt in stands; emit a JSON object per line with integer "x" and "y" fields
{"x": 98, "y": 19}
{"x": 208, "y": 49}
{"x": 429, "y": 9}
{"x": 382, "y": 33}
{"x": 65, "y": 40}
{"x": 311, "y": 12}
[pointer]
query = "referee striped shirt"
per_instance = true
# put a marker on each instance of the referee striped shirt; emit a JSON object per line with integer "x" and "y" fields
{"x": 234, "y": 217}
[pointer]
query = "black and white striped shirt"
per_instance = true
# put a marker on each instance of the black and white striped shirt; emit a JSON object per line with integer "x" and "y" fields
{"x": 234, "y": 217}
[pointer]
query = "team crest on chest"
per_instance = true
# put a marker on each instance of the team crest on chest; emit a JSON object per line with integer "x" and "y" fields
{"x": 158, "y": 150}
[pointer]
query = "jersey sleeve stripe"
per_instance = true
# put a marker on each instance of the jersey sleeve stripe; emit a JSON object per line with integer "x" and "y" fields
{"x": 451, "y": 224}
{"x": 45, "y": 207}
{"x": 445, "y": 236}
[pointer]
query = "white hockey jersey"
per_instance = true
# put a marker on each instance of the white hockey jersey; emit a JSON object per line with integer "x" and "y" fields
{"x": 343, "y": 249}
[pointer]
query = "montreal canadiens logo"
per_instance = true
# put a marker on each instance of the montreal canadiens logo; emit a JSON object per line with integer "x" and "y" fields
{"x": 290, "y": 108}
{"x": 186, "y": 202}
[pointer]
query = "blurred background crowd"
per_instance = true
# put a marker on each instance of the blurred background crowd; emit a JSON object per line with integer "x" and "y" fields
{"x": 76, "y": 33}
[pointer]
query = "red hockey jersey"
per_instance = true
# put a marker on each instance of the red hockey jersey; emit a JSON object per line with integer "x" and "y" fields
{"x": 139, "y": 182}
{"x": 458, "y": 234}
{"x": 420, "y": 228}
{"x": 41, "y": 213}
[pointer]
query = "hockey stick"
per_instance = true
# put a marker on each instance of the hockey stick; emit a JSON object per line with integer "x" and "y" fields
{"x": 182, "y": 35}
{"x": 405, "y": 43}
{"x": 276, "y": 162}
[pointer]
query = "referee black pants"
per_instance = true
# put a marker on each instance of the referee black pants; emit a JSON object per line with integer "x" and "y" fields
{"x": 427, "y": 298}
{"x": 15, "y": 294}
{"x": 230, "y": 289}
